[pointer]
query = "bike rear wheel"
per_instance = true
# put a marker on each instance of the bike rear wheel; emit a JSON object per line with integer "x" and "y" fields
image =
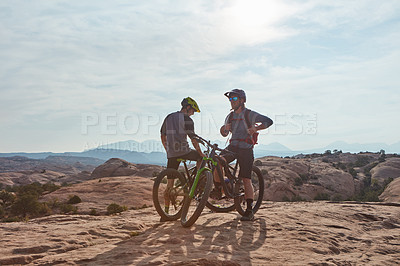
{"x": 220, "y": 204}
{"x": 193, "y": 207}
{"x": 169, "y": 201}
{"x": 257, "y": 181}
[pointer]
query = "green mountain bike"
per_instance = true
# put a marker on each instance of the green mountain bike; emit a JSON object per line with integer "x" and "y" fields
{"x": 183, "y": 194}
{"x": 188, "y": 192}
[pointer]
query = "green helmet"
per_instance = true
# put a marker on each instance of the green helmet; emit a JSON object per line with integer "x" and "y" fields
{"x": 189, "y": 101}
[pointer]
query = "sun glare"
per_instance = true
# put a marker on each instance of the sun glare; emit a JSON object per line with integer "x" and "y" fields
{"x": 256, "y": 13}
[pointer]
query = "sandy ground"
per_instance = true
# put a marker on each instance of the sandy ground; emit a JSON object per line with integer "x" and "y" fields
{"x": 302, "y": 233}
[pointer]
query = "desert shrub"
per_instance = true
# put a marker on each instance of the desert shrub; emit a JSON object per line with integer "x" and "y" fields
{"x": 35, "y": 189}
{"x": 2, "y": 212}
{"x": 341, "y": 166}
{"x": 372, "y": 190}
{"x": 322, "y": 196}
{"x": 361, "y": 161}
{"x": 115, "y": 208}
{"x": 337, "y": 197}
{"x": 93, "y": 212}
{"x": 50, "y": 187}
{"x": 295, "y": 198}
{"x": 304, "y": 177}
{"x": 68, "y": 208}
{"x": 134, "y": 233}
{"x": 367, "y": 169}
{"x": 7, "y": 198}
{"x": 54, "y": 203}
{"x": 26, "y": 204}
{"x": 298, "y": 181}
{"x": 264, "y": 172}
{"x": 353, "y": 172}
{"x": 11, "y": 219}
{"x": 44, "y": 209}
{"x": 257, "y": 163}
{"x": 74, "y": 200}
{"x": 285, "y": 198}
{"x": 155, "y": 173}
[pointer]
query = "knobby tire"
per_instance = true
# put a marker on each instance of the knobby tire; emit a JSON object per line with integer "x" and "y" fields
{"x": 176, "y": 195}
{"x": 198, "y": 202}
{"x": 258, "y": 185}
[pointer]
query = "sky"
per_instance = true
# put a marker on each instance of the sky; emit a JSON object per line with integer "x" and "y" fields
{"x": 79, "y": 74}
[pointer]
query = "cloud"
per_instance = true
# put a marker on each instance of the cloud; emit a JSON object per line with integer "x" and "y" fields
{"x": 66, "y": 58}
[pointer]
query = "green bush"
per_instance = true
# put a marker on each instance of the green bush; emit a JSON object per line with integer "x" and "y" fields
{"x": 7, "y": 198}
{"x": 2, "y": 212}
{"x": 50, "y": 187}
{"x": 74, "y": 200}
{"x": 44, "y": 209}
{"x": 11, "y": 219}
{"x": 35, "y": 189}
{"x": 68, "y": 208}
{"x": 155, "y": 173}
{"x": 361, "y": 161}
{"x": 93, "y": 212}
{"x": 26, "y": 204}
{"x": 257, "y": 163}
{"x": 353, "y": 172}
{"x": 304, "y": 177}
{"x": 264, "y": 172}
{"x": 115, "y": 208}
{"x": 322, "y": 196}
{"x": 298, "y": 181}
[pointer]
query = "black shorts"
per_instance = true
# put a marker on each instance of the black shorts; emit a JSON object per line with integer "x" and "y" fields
{"x": 193, "y": 155}
{"x": 245, "y": 158}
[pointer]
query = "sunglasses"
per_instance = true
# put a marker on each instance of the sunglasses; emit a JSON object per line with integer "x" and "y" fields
{"x": 234, "y": 99}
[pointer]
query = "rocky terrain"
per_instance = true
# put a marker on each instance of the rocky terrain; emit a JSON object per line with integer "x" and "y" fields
{"x": 283, "y": 233}
{"x": 66, "y": 170}
{"x": 20, "y": 170}
{"x": 330, "y": 177}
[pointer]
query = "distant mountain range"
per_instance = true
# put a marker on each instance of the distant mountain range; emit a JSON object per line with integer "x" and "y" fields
{"x": 152, "y": 151}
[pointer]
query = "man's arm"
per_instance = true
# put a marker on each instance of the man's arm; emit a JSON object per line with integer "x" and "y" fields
{"x": 197, "y": 147}
{"x": 189, "y": 129}
{"x": 163, "y": 132}
{"x": 260, "y": 122}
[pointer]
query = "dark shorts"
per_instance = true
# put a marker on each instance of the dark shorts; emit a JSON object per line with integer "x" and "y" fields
{"x": 193, "y": 155}
{"x": 245, "y": 158}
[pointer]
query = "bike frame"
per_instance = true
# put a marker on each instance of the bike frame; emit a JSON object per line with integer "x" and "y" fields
{"x": 198, "y": 174}
{"x": 214, "y": 167}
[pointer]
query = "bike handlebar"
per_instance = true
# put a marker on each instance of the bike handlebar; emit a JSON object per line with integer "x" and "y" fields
{"x": 211, "y": 145}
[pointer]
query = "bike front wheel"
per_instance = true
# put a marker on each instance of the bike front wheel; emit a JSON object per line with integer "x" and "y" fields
{"x": 257, "y": 180}
{"x": 193, "y": 207}
{"x": 168, "y": 199}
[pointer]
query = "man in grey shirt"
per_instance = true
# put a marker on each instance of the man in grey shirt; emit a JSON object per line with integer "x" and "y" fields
{"x": 174, "y": 131}
{"x": 243, "y": 124}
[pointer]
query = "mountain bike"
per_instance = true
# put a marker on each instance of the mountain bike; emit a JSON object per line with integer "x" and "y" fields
{"x": 232, "y": 185}
{"x": 190, "y": 191}
{"x": 187, "y": 194}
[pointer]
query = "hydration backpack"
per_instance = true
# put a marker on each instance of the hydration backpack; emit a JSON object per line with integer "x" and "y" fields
{"x": 251, "y": 139}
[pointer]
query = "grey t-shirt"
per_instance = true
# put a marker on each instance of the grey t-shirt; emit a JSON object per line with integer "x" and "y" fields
{"x": 239, "y": 126}
{"x": 177, "y": 127}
